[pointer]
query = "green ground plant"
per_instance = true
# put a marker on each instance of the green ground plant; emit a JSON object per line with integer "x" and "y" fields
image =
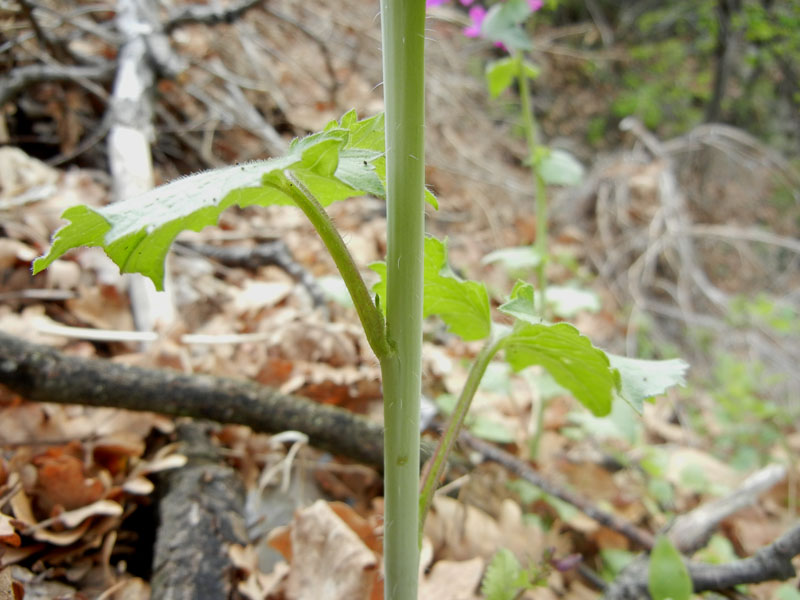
{"x": 382, "y": 156}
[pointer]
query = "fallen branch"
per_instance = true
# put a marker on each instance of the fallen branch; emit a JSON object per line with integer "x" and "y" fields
{"x": 522, "y": 469}
{"x": 200, "y": 516}
{"x": 43, "y": 374}
{"x": 771, "y": 563}
{"x": 21, "y": 78}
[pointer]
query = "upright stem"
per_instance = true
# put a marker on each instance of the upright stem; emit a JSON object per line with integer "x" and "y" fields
{"x": 531, "y": 135}
{"x": 403, "y": 30}
{"x": 435, "y": 467}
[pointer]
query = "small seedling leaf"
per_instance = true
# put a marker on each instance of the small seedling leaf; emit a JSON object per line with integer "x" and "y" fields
{"x": 668, "y": 577}
{"x": 500, "y": 74}
{"x": 559, "y": 167}
{"x": 502, "y": 576}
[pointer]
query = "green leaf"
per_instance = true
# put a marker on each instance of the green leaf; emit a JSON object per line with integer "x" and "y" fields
{"x": 643, "y": 379}
{"x": 531, "y": 70}
{"x": 462, "y": 305}
{"x": 787, "y": 592}
{"x": 502, "y": 24}
{"x": 500, "y": 74}
{"x": 668, "y": 577}
{"x": 569, "y": 357}
{"x": 566, "y": 302}
{"x": 334, "y": 164}
{"x": 636, "y": 380}
{"x": 522, "y": 306}
{"x": 502, "y": 575}
{"x": 559, "y": 167}
{"x": 490, "y": 430}
{"x": 514, "y": 259}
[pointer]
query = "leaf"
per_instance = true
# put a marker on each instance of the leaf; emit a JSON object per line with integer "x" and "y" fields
{"x": 346, "y": 159}
{"x": 502, "y": 24}
{"x": 643, "y": 379}
{"x": 566, "y": 302}
{"x": 569, "y": 357}
{"x": 462, "y": 305}
{"x": 502, "y": 575}
{"x": 522, "y": 306}
{"x": 636, "y": 380}
{"x": 668, "y": 577}
{"x": 559, "y": 167}
{"x": 514, "y": 259}
{"x": 490, "y": 430}
{"x": 500, "y": 74}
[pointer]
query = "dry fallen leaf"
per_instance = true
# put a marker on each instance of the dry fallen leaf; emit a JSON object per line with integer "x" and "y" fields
{"x": 452, "y": 580}
{"x": 332, "y": 562}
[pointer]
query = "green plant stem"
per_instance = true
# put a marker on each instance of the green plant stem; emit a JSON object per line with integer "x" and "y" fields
{"x": 369, "y": 314}
{"x": 531, "y": 136}
{"x": 533, "y": 446}
{"x": 403, "y": 42}
{"x": 435, "y": 467}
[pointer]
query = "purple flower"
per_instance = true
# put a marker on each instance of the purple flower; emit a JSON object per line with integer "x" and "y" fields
{"x": 429, "y": 3}
{"x": 535, "y": 5}
{"x": 466, "y": 2}
{"x": 476, "y": 14}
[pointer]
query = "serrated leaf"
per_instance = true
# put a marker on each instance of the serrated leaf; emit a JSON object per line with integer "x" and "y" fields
{"x": 522, "y": 305}
{"x": 559, "y": 167}
{"x": 500, "y": 74}
{"x": 638, "y": 379}
{"x": 569, "y": 357}
{"x": 462, "y": 304}
{"x": 502, "y": 574}
{"x": 668, "y": 578}
{"x": 334, "y": 164}
{"x": 643, "y": 379}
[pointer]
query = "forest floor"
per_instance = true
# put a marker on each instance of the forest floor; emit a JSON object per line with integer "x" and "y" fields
{"x": 80, "y": 486}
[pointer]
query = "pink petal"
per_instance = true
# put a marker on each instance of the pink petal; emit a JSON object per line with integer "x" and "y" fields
{"x": 429, "y": 3}
{"x": 535, "y": 5}
{"x": 476, "y": 14}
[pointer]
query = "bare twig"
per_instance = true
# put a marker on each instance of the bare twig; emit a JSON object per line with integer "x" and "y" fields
{"x": 638, "y": 536}
{"x": 691, "y": 531}
{"x": 22, "y": 77}
{"x": 43, "y": 374}
{"x": 209, "y": 14}
{"x": 771, "y": 563}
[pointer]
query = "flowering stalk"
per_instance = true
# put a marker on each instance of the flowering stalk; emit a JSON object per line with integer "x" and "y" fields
{"x": 534, "y": 157}
{"x": 403, "y": 36}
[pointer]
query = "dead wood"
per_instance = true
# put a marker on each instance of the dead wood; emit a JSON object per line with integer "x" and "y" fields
{"x": 43, "y": 374}
{"x": 522, "y": 469}
{"x": 200, "y": 516}
{"x": 771, "y": 563}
